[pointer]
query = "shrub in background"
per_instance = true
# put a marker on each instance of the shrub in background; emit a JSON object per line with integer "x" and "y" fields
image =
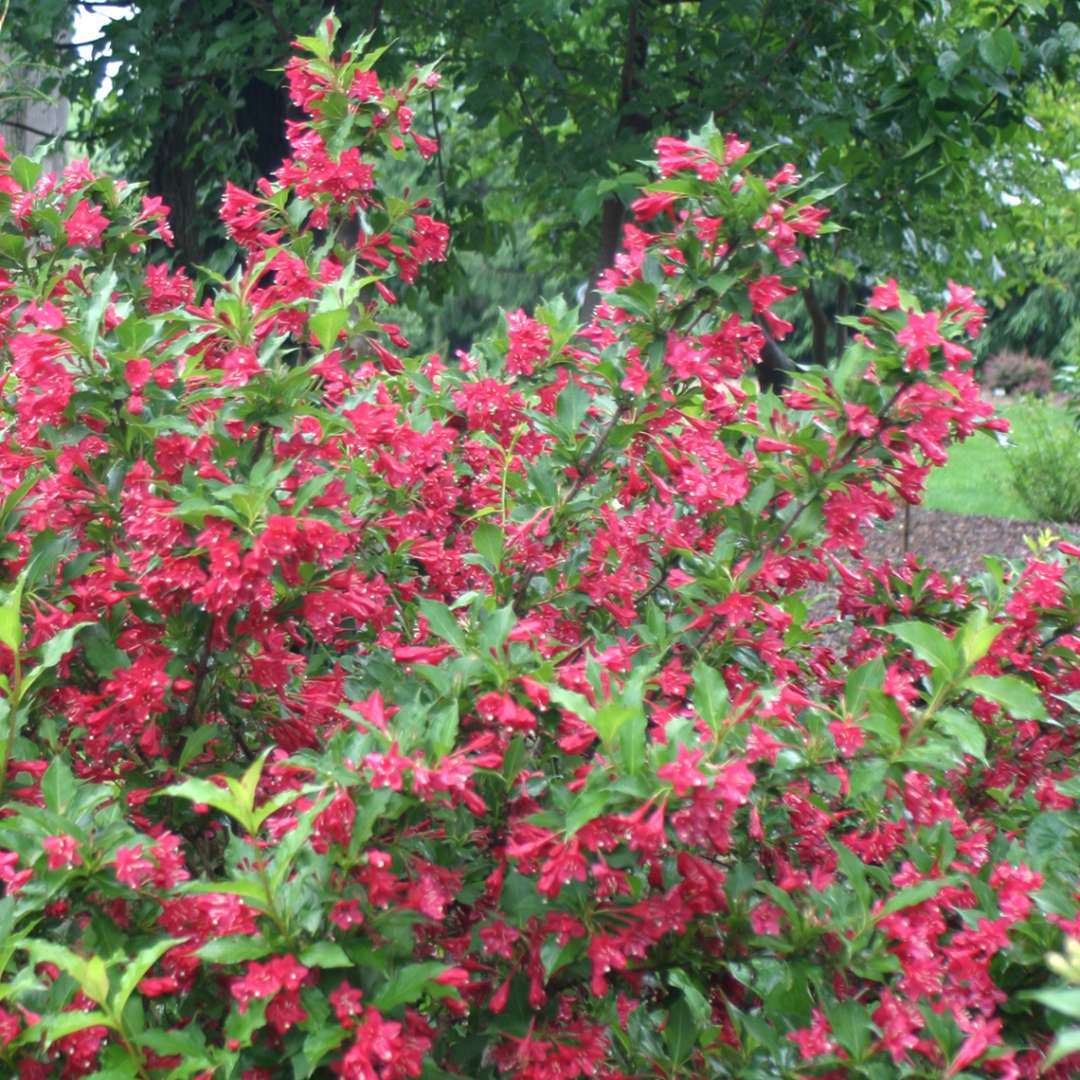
{"x": 1045, "y": 467}
{"x": 385, "y": 716}
{"x": 1018, "y": 373}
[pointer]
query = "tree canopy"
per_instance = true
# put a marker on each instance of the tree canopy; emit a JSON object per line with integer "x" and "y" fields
{"x": 547, "y": 107}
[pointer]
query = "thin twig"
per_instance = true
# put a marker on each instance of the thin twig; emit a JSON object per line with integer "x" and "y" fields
{"x": 33, "y": 130}
{"x": 438, "y": 154}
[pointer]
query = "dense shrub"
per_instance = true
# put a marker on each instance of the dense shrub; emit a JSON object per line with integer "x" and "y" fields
{"x": 1045, "y": 467}
{"x": 1018, "y": 373}
{"x": 385, "y": 716}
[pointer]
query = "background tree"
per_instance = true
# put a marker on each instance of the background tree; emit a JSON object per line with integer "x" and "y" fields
{"x": 546, "y": 109}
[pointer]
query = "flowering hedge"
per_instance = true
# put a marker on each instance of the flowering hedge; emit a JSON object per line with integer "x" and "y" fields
{"x": 533, "y": 712}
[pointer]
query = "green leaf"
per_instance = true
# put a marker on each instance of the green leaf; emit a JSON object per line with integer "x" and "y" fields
{"x": 100, "y": 299}
{"x": 137, "y": 967}
{"x": 854, "y": 870}
{"x": 234, "y": 949}
{"x": 1066, "y": 1043}
{"x": 1048, "y": 836}
{"x": 850, "y": 1023}
{"x": 680, "y": 1032}
{"x": 929, "y": 644}
{"x": 326, "y": 326}
{"x": 203, "y": 791}
{"x": 88, "y": 972}
{"x": 1016, "y": 695}
{"x": 1000, "y": 50}
{"x": 57, "y": 785}
{"x": 443, "y": 623}
{"x": 860, "y": 681}
{"x": 1062, "y": 999}
{"x": 325, "y": 954}
{"x": 489, "y": 541}
{"x": 409, "y": 984}
{"x": 319, "y": 1043}
{"x": 976, "y": 636}
{"x": 293, "y": 842}
{"x": 571, "y": 406}
{"x": 60, "y": 1024}
{"x": 867, "y": 776}
{"x": 195, "y": 743}
{"x": 709, "y": 695}
{"x": 10, "y": 621}
{"x": 189, "y": 1042}
{"x": 697, "y": 1002}
{"x": 240, "y": 1026}
{"x": 53, "y": 651}
{"x": 631, "y": 750}
{"x": 913, "y": 894}
{"x": 589, "y": 803}
{"x": 965, "y": 730}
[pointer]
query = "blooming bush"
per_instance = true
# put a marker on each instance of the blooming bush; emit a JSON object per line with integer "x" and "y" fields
{"x": 1018, "y": 373}
{"x": 386, "y": 716}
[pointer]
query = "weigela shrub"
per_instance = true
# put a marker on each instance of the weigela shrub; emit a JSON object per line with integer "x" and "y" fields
{"x": 378, "y": 715}
{"x": 1018, "y": 373}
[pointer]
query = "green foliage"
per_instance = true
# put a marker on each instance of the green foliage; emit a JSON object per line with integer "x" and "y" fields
{"x": 1045, "y": 470}
{"x": 547, "y": 110}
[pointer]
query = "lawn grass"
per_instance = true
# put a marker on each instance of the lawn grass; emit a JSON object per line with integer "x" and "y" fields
{"x": 976, "y": 478}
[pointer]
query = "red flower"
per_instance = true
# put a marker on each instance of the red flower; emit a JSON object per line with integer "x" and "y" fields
{"x": 84, "y": 225}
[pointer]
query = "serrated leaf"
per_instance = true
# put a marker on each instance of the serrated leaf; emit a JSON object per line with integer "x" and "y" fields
{"x": 695, "y": 999}
{"x": 1062, "y": 999}
{"x": 1022, "y": 701}
{"x": 850, "y": 1023}
{"x": 589, "y": 803}
{"x": 965, "y": 730}
{"x": 67, "y": 1023}
{"x": 88, "y": 972}
{"x": 929, "y": 644}
{"x": 95, "y": 309}
{"x": 854, "y": 869}
{"x": 293, "y": 842}
{"x": 188, "y": 1042}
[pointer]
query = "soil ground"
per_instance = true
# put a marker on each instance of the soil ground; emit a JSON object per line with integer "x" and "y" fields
{"x": 955, "y": 542}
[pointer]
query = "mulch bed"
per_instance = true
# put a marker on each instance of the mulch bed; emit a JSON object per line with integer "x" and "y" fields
{"x": 954, "y": 542}
{"x": 944, "y": 541}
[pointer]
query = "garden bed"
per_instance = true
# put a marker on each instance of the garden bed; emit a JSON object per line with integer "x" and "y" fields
{"x": 955, "y": 542}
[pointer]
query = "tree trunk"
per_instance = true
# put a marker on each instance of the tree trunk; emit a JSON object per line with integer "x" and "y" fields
{"x": 843, "y": 294}
{"x": 820, "y": 325}
{"x": 613, "y": 213}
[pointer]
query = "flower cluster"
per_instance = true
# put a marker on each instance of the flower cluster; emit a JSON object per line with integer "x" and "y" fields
{"x": 388, "y": 716}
